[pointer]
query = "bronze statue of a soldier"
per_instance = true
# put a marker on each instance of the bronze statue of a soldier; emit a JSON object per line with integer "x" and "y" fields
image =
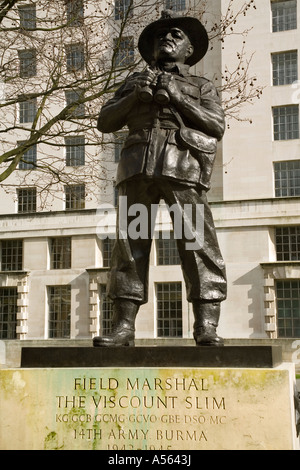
{"x": 174, "y": 120}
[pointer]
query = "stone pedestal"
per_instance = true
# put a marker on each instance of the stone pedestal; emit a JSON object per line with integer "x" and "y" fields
{"x": 149, "y": 399}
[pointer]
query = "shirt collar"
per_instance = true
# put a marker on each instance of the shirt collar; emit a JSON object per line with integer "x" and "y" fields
{"x": 180, "y": 69}
{"x": 183, "y": 69}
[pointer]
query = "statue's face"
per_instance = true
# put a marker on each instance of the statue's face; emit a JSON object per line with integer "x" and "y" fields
{"x": 172, "y": 44}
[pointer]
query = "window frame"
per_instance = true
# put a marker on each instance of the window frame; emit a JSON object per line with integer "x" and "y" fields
{"x": 282, "y": 128}
{"x": 74, "y": 13}
{"x": 287, "y": 321}
{"x": 73, "y": 63}
{"x": 287, "y": 178}
{"x": 75, "y": 152}
{"x": 27, "y": 65}
{"x": 11, "y": 322}
{"x": 166, "y": 250}
{"x": 75, "y": 197}
{"x": 60, "y": 310}
{"x": 124, "y": 51}
{"x": 60, "y": 252}
{"x": 288, "y": 20}
{"x": 107, "y": 246}
{"x": 72, "y": 97}
{"x": 106, "y": 311}
{"x": 287, "y": 243}
{"x": 27, "y": 116}
{"x": 14, "y": 260}
{"x": 29, "y": 159}
{"x": 288, "y": 74}
{"x": 175, "y": 5}
{"x": 27, "y": 200}
{"x": 123, "y": 8}
{"x": 168, "y": 325}
{"x": 29, "y": 23}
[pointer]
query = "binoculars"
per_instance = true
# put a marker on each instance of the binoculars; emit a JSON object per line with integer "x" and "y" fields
{"x": 160, "y": 96}
{"x": 148, "y": 93}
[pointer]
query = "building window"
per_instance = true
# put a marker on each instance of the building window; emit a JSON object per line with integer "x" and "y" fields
{"x": 8, "y": 312}
{"x": 166, "y": 249}
{"x": 75, "y": 197}
{"x": 284, "y": 15}
{"x": 27, "y": 60}
{"x": 286, "y": 122}
{"x": 59, "y": 300}
{"x": 29, "y": 159}
{"x": 60, "y": 253}
{"x": 287, "y": 178}
{"x": 27, "y": 15}
{"x": 175, "y": 5}
{"x": 169, "y": 309}
{"x": 123, "y": 8}
{"x": 106, "y": 311}
{"x": 288, "y": 243}
{"x": 27, "y": 109}
{"x": 288, "y": 308}
{"x": 75, "y": 151}
{"x": 75, "y": 57}
{"x": 26, "y": 200}
{"x": 11, "y": 255}
{"x": 107, "y": 246}
{"x": 73, "y": 97}
{"x": 124, "y": 52}
{"x": 75, "y": 12}
{"x": 285, "y": 67}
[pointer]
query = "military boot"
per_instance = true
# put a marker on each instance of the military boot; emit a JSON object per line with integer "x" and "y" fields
{"x": 207, "y": 316}
{"x": 123, "y": 330}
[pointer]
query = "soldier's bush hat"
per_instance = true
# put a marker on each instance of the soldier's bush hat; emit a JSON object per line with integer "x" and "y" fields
{"x": 191, "y": 26}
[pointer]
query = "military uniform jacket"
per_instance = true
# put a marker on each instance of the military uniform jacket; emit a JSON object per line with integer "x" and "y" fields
{"x": 152, "y": 147}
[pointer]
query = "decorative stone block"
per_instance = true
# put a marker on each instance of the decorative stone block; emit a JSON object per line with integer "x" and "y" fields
{"x": 22, "y": 302}
{"x": 23, "y": 289}
{"x": 22, "y": 329}
{"x": 94, "y": 286}
{"x": 269, "y": 282}
{"x": 270, "y": 327}
{"x": 269, "y": 297}
{"x": 22, "y": 314}
{"x": 93, "y": 301}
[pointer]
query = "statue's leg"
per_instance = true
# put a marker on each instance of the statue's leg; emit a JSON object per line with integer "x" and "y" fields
{"x": 128, "y": 277}
{"x": 202, "y": 263}
{"x": 207, "y": 316}
{"x": 123, "y": 330}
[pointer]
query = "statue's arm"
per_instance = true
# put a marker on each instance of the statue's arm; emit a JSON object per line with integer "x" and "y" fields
{"x": 206, "y": 115}
{"x": 113, "y": 114}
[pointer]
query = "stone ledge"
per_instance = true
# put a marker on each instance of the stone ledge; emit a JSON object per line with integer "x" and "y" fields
{"x": 166, "y": 356}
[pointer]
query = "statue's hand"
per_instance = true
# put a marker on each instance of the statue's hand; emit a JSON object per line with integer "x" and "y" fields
{"x": 144, "y": 81}
{"x": 167, "y": 82}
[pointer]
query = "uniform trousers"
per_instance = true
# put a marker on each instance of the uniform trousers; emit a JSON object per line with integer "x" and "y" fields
{"x": 201, "y": 261}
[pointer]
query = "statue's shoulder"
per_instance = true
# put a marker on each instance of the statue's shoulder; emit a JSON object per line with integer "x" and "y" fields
{"x": 130, "y": 79}
{"x": 200, "y": 81}
{"x": 132, "y": 76}
{"x": 207, "y": 88}
{"x": 127, "y": 84}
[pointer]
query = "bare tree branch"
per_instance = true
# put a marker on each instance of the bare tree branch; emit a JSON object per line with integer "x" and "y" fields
{"x": 39, "y": 64}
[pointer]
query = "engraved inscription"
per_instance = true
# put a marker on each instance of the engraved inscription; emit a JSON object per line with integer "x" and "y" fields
{"x": 141, "y": 411}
